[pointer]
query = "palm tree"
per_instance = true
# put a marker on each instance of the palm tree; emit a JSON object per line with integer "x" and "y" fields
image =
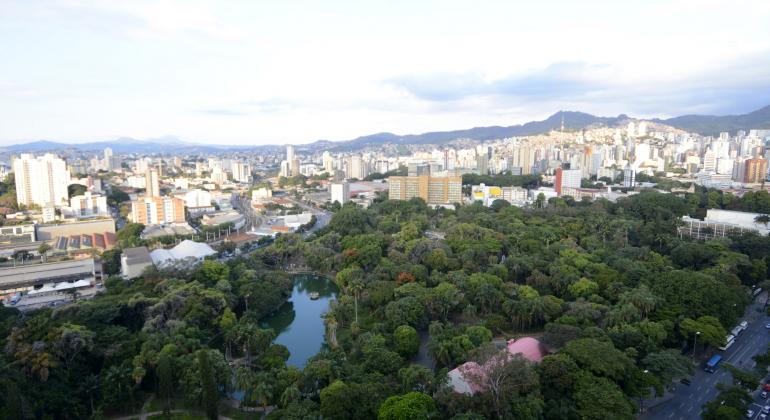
{"x": 355, "y": 288}
{"x": 263, "y": 390}
{"x": 331, "y": 328}
{"x": 290, "y": 394}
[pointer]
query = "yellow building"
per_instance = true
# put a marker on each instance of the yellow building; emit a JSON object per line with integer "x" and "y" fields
{"x": 434, "y": 190}
{"x": 157, "y": 210}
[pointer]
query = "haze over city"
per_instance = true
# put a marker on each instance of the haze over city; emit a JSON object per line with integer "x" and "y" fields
{"x": 254, "y": 73}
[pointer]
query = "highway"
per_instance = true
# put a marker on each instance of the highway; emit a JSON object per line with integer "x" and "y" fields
{"x": 687, "y": 401}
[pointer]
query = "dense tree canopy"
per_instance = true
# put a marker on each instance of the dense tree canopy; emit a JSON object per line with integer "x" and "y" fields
{"x": 610, "y": 289}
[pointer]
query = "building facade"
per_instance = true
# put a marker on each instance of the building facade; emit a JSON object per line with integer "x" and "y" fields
{"x": 434, "y": 190}
{"x": 41, "y": 180}
{"x": 340, "y": 192}
{"x": 157, "y": 210}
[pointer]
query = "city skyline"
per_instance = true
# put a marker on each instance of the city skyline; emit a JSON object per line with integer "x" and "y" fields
{"x": 277, "y": 74}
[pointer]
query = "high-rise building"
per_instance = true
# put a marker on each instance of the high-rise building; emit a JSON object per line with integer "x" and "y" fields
{"x": 152, "y": 182}
{"x": 41, "y": 180}
{"x": 434, "y": 190}
{"x": 285, "y": 170}
{"x": 357, "y": 168}
{"x": 340, "y": 192}
{"x": 108, "y": 159}
{"x": 328, "y": 162}
{"x": 755, "y": 170}
{"x": 709, "y": 161}
{"x": 218, "y": 176}
{"x": 629, "y": 177}
{"x": 241, "y": 171}
{"x": 567, "y": 179}
{"x": 157, "y": 210}
{"x": 482, "y": 164}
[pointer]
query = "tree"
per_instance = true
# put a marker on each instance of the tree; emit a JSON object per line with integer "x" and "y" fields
{"x": 503, "y": 375}
{"x": 667, "y": 366}
{"x": 165, "y": 381}
{"x": 43, "y": 251}
{"x": 599, "y": 399}
{"x": 599, "y": 357}
{"x": 406, "y": 341}
{"x": 731, "y": 403}
{"x": 210, "y": 395}
{"x": 414, "y": 405}
{"x": 710, "y": 330}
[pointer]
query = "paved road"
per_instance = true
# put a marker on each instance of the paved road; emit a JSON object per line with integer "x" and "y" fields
{"x": 687, "y": 401}
{"x": 322, "y": 216}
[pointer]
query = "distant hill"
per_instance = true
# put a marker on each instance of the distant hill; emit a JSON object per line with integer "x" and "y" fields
{"x": 122, "y": 145}
{"x": 711, "y": 125}
{"x": 702, "y": 124}
{"x": 572, "y": 121}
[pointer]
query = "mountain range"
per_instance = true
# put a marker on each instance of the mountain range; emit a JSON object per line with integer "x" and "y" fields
{"x": 702, "y": 124}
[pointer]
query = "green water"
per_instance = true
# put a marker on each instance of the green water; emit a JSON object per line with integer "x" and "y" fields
{"x": 298, "y": 323}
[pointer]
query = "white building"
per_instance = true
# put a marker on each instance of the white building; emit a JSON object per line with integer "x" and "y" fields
{"x": 328, "y": 162}
{"x": 261, "y": 194}
{"x": 567, "y": 179}
{"x": 133, "y": 262}
{"x": 241, "y": 171}
{"x": 152, "y": 182}
{"x": 218, "y": 176}
{"x": 88, "y": 204}
{"x": 285, "y": 170}
{"x": 187, "y": 252}
{"x": 340, "y": 192}
{"x": 197, "y": 198}
{"x": 136, "y": 181}
{"x": 41, "y": 180}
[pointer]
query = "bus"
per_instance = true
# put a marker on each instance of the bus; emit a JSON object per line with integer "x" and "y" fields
{"x": 711, "y": 365}
{"x": 728, "y": 342}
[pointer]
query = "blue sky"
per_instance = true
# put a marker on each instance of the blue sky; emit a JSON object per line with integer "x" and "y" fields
{"x": 275, "y": 72}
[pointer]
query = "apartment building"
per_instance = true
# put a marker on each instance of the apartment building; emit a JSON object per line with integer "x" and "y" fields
{"x": 434, "y": 190}
{"x": 157, "y": 210}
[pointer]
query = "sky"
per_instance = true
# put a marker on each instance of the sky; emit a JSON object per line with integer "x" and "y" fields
{"x": 292, "y": 71}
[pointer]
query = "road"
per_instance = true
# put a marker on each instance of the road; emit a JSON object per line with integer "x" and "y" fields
{"x": 687, "y": 401}
{"x": 322, "y": 216}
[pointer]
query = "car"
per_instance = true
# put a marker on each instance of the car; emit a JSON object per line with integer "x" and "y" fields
{"x": 685, "y": 381}
{"x": 766, "y": 386}
{"x": 766, "y": 409}
{"x": 767, "y": 326}
{"x": 744, "y": 324}
{"x": 763, "y": 395}
{"x": 749, "y": 414}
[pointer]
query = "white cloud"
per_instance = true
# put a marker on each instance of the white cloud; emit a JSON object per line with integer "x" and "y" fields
{"x": 245, "y": 71}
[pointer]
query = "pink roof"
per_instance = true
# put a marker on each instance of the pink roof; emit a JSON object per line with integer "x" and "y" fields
{"x": 529, "y": 347}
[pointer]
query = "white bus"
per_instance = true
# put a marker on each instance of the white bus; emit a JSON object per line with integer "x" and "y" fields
{"x": 729, "y": 341}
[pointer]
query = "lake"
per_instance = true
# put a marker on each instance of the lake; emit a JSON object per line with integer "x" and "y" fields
{"x": 298, "y": 323}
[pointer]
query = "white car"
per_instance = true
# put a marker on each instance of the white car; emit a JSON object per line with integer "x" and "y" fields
{"x": 749, "y": 414}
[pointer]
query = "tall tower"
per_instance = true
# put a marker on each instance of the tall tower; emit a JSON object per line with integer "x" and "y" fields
{"x": 562, "y": 122}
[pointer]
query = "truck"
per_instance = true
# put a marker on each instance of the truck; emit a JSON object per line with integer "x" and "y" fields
{"x": 712, "y": 363}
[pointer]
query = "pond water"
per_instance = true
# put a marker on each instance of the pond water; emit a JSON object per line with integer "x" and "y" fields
{"x": 298, "y": 323}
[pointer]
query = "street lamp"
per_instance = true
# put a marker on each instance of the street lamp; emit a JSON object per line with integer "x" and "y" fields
{"x": 641, "y": 399}
{"x": 695, "y": 343}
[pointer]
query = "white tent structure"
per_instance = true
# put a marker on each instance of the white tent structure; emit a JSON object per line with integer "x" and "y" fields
{"x": 187, "y": 250}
